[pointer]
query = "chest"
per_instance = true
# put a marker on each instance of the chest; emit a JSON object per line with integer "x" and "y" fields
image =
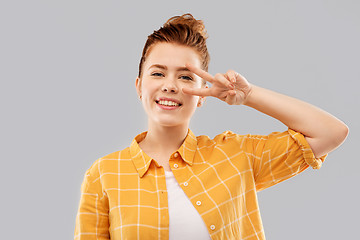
{"x": 215, "y": 190}
{"x": 164, "y": 162}
{"x": 161, "y": 159}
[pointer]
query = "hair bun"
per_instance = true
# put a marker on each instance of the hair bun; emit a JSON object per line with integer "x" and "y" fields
{"x": 189, "y": 20}
{"x": 183, "y": 30}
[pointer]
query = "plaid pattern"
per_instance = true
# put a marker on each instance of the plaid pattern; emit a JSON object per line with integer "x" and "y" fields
{"x": 124, "y": 193}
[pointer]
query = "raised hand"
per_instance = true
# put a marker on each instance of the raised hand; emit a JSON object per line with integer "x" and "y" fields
{"x": 230, "y": 87}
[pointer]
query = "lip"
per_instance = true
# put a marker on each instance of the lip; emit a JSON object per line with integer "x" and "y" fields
{"x": 168, "y": 107}
{"x": 168, "y": 99}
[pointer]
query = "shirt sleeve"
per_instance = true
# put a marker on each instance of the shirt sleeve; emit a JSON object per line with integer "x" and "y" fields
{"x": 280, "y": 156}
{"x": 92, "y": 220}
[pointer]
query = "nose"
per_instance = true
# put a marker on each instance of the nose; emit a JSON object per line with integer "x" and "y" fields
{"x": 169, "y": 86}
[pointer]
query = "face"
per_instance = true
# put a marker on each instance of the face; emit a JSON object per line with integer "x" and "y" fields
{"x": 164, "y": 75}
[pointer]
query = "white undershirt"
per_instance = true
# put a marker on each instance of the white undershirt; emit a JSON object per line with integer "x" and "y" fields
{"x": 185, "y": 221}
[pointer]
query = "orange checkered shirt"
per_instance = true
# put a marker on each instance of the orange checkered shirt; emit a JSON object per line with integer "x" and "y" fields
{"x": 123, "y": 195}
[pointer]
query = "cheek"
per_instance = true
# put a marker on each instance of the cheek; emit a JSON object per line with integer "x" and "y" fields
{"x": 148, "y": 89}
{"x": 193, "y": 100}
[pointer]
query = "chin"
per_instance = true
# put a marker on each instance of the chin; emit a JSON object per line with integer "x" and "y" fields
{"x": 170, "y": 122}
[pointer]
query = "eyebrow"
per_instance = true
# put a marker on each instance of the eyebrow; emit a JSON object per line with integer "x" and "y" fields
{"x": 165, "y": 68}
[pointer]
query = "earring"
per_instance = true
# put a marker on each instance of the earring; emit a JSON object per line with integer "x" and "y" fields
{"x": 201, "y": 102}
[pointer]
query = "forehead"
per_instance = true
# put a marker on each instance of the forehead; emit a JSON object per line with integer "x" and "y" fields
{"x": 171, "y": 55}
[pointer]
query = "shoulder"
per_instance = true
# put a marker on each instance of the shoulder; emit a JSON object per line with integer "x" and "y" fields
{"x": 109, "y": 162}
{"x": 231, "y": 141}
{"x": 228, "y": 136}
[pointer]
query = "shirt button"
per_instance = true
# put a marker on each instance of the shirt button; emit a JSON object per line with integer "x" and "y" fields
{"x": 176, "y": 155}
{"x": 198, "y": 203}
{"x": 176, "y": 166}
{"x": 212, "y": 227}
{"x": 185, "y": 184}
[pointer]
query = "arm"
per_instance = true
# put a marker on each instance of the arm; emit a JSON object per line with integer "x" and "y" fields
{"x": 92, "y": 220}
{"x": 323, "y": 131}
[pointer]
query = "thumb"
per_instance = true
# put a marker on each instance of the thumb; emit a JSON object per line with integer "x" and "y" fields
{"x": 231, "y": 97}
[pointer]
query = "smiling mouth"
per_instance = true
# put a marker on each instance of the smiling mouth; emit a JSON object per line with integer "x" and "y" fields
{"x": 168, "y": 103}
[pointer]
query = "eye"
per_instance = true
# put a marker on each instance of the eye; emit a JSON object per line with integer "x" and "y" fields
{"x": 157, "y": 74}
{"x": 187, "y": 78}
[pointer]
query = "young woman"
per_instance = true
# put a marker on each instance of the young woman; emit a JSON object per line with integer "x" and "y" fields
{"x": 170, "y": 184}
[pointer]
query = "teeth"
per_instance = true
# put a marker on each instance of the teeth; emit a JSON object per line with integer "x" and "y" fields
{"x": 168, "y": 103}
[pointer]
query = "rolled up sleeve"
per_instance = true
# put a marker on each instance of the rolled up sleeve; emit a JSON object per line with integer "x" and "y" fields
{"x": 280, "y": 156}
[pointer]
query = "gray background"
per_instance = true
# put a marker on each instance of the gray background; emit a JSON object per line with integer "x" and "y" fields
{"x": 68, "y": 71}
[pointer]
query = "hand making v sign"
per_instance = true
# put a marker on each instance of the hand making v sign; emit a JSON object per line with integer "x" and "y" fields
{"x": 230, "y": 87}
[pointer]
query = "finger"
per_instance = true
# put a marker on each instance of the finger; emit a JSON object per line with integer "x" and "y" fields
{"x": 202, "y": 92}
{"x": 201, "y": 73}
{"x": 231, "y": 97}
{"x": 220, "y": 78}
{"x": 231, "y": 75}
{"x": 240, "y": 78}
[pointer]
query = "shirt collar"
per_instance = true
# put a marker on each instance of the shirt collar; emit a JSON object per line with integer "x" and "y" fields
{"x": 142, "y": 161}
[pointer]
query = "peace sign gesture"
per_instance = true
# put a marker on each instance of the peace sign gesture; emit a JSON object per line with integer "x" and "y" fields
{"x": 230, "y": 87}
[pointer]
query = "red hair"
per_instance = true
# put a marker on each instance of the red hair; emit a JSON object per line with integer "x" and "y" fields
{"x": 184, "y": 30}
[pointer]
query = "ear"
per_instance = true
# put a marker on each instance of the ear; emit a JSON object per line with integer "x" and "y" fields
{"x": 138, "y": 86}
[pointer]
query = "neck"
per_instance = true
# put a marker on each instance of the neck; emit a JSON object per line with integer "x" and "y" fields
{"x": 165, "y": 139}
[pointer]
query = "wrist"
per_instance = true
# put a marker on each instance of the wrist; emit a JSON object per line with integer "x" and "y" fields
{"x": 248, "y": 95}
